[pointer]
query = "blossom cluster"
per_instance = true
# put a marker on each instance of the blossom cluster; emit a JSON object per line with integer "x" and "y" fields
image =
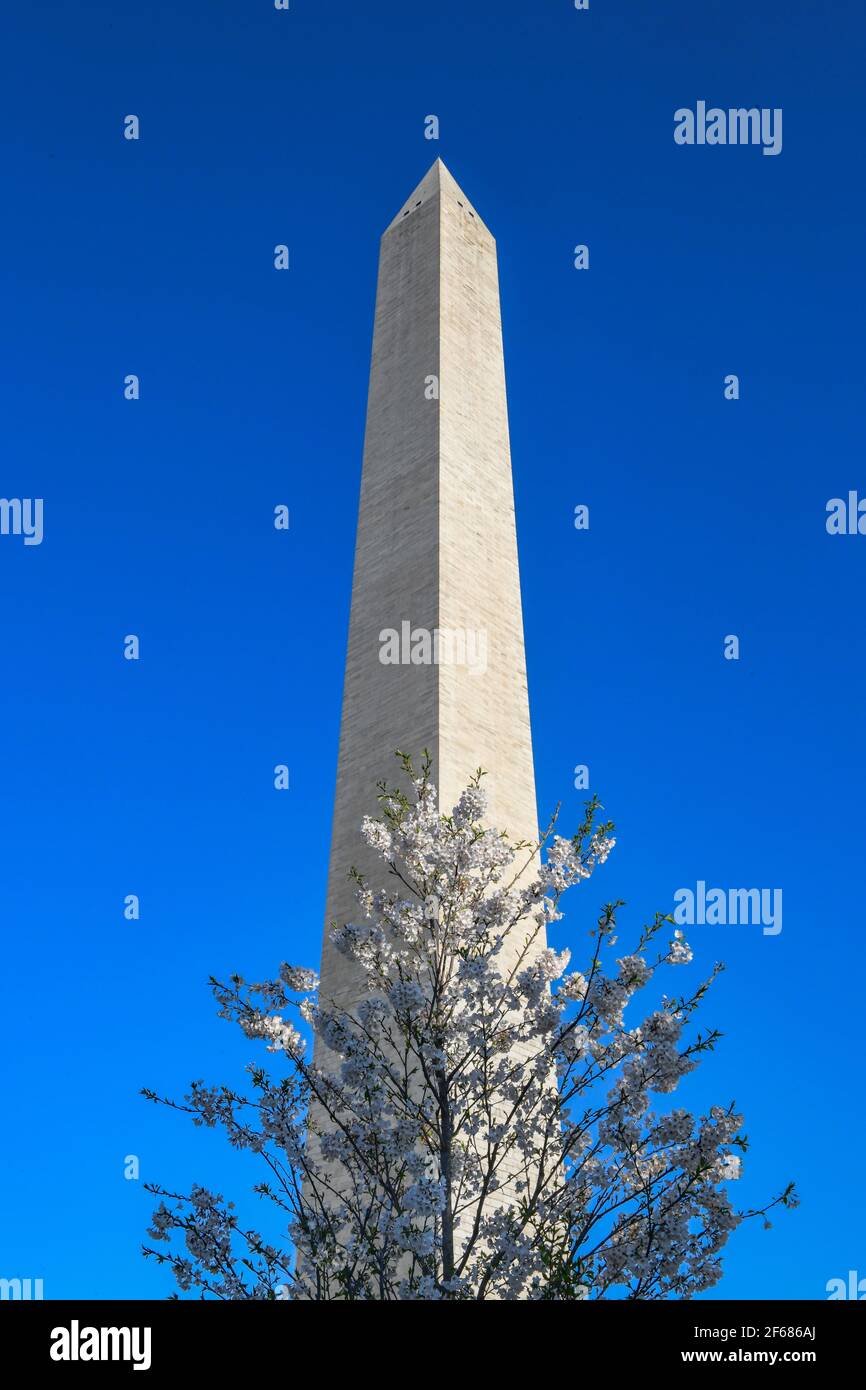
{"x": 479, "y": 1125}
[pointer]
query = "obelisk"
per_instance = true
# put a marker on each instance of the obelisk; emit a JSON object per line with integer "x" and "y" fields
{"x": 436, "y": 549}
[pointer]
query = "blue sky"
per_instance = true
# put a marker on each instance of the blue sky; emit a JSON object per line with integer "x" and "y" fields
{"x": 707, "y": 518}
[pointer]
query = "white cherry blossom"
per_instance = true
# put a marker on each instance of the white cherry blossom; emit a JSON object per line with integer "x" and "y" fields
{"x": 480, "y": 1125}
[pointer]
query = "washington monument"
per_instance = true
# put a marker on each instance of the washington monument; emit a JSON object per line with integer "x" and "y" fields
{"x": 435, "y": 657}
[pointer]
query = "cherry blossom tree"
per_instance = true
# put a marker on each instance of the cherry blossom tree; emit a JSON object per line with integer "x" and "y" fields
{"x": 480, "y": 1125}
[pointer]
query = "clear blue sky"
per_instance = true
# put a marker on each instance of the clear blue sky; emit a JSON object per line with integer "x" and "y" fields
{"x": 707, "y": 518}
